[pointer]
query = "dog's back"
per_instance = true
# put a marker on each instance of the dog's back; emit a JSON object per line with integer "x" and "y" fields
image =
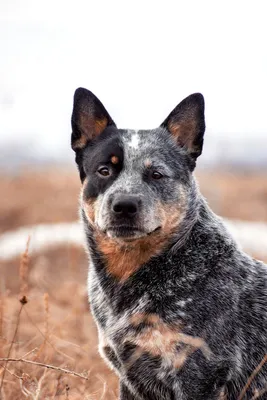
{"x": 180, "y": 309}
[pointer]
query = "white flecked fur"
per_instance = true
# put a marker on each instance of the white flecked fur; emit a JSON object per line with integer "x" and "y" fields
{"x": 134, "y": 141}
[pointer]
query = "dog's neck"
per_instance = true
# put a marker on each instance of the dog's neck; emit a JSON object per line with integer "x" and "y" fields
{"x": 192, "y": 215}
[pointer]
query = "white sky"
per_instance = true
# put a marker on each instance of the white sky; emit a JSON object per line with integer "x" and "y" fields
{"x": 141, "y": 58}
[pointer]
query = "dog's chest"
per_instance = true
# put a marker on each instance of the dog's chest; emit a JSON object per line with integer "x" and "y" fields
{"x": 139, "y": 335}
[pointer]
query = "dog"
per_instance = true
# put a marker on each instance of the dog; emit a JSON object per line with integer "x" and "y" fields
{"x": 180, "y": 309}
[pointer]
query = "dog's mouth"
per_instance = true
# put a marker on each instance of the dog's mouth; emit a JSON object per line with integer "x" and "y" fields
{"x": 128, "y": 232}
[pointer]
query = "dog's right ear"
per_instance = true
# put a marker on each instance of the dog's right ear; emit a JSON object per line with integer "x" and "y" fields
{"x": 89, "y": 118}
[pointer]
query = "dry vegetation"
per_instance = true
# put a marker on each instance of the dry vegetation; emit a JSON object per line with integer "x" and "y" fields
{"x": 54, "y": 327}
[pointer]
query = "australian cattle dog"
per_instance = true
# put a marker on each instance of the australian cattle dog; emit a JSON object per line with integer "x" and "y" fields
{"x": 180, "y": 309}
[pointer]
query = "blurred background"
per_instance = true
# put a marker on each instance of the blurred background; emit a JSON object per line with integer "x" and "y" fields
{"x": 140, "y": 58}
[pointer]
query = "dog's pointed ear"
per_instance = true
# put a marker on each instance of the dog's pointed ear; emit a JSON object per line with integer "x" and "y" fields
{"x": 186, "y": 123}
{"x": 89, "y": 118}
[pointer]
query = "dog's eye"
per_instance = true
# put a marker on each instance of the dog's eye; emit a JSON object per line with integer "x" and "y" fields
{"x": 104, "y": 171}
{"x": 156, "y": 175}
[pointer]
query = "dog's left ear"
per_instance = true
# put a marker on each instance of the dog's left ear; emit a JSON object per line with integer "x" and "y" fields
{"x": 186, "y": 123}
{"x": 89, "y": 118}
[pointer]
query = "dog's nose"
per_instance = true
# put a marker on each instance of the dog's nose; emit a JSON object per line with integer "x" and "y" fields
{"x": 125, "y": 205}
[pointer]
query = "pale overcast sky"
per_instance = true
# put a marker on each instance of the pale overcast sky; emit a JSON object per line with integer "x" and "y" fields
{"x": 141, "y": 58}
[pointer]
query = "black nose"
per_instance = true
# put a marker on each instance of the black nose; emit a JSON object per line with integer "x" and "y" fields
{"x": 125, "y": 205}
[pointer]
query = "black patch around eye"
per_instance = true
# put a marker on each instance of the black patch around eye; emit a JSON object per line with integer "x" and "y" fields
{"x": 99, "y": 154}
{"x": 97, "y": 185}
{"x": 104, "y": 171}
{"x": 102, "y": 150}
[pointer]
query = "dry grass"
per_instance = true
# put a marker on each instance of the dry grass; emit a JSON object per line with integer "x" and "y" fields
{"x": 54, "y": 327}
{"x": 240, "y": 195}
{"x": 33, "y": 197}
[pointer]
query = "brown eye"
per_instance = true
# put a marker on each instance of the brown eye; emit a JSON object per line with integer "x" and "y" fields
{"x": 156, "y": 175}
{"x": 104, "y": 171}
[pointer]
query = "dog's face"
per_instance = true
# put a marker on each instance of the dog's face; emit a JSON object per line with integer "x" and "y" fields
{"x": 135, "y": 183}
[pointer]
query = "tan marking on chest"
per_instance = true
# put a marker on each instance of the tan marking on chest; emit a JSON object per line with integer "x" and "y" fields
{"x": 161, "y": 339}
{"x": 123, "y": 259}
{"x": 139, "y": 318}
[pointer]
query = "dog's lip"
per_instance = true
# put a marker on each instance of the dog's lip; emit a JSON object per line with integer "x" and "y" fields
{"x": 124, "y": 228}
{"x": 131, "y": 229}
{"x": 155, "y": 230}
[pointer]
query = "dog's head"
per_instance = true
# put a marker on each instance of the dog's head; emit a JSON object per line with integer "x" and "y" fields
{"x": 136, "y": 183}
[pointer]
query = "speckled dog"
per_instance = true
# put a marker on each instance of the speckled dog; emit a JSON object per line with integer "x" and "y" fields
{"x": 181, "y": 311}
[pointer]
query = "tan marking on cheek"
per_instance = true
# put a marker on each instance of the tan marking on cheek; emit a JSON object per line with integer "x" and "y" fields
{"x": 171, "y": 215}
{"x": 125, "y": 259}
{"x": 161, "y": 339}
{"x": 90, "y": 206}
{"x": 85, "y": 182}
{"x": 115, "y": 160}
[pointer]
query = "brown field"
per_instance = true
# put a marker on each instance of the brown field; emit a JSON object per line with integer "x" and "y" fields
{"x": 55, "y": 327}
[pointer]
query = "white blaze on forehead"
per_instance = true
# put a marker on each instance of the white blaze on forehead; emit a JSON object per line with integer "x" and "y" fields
{"x": 134, "y": 140}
